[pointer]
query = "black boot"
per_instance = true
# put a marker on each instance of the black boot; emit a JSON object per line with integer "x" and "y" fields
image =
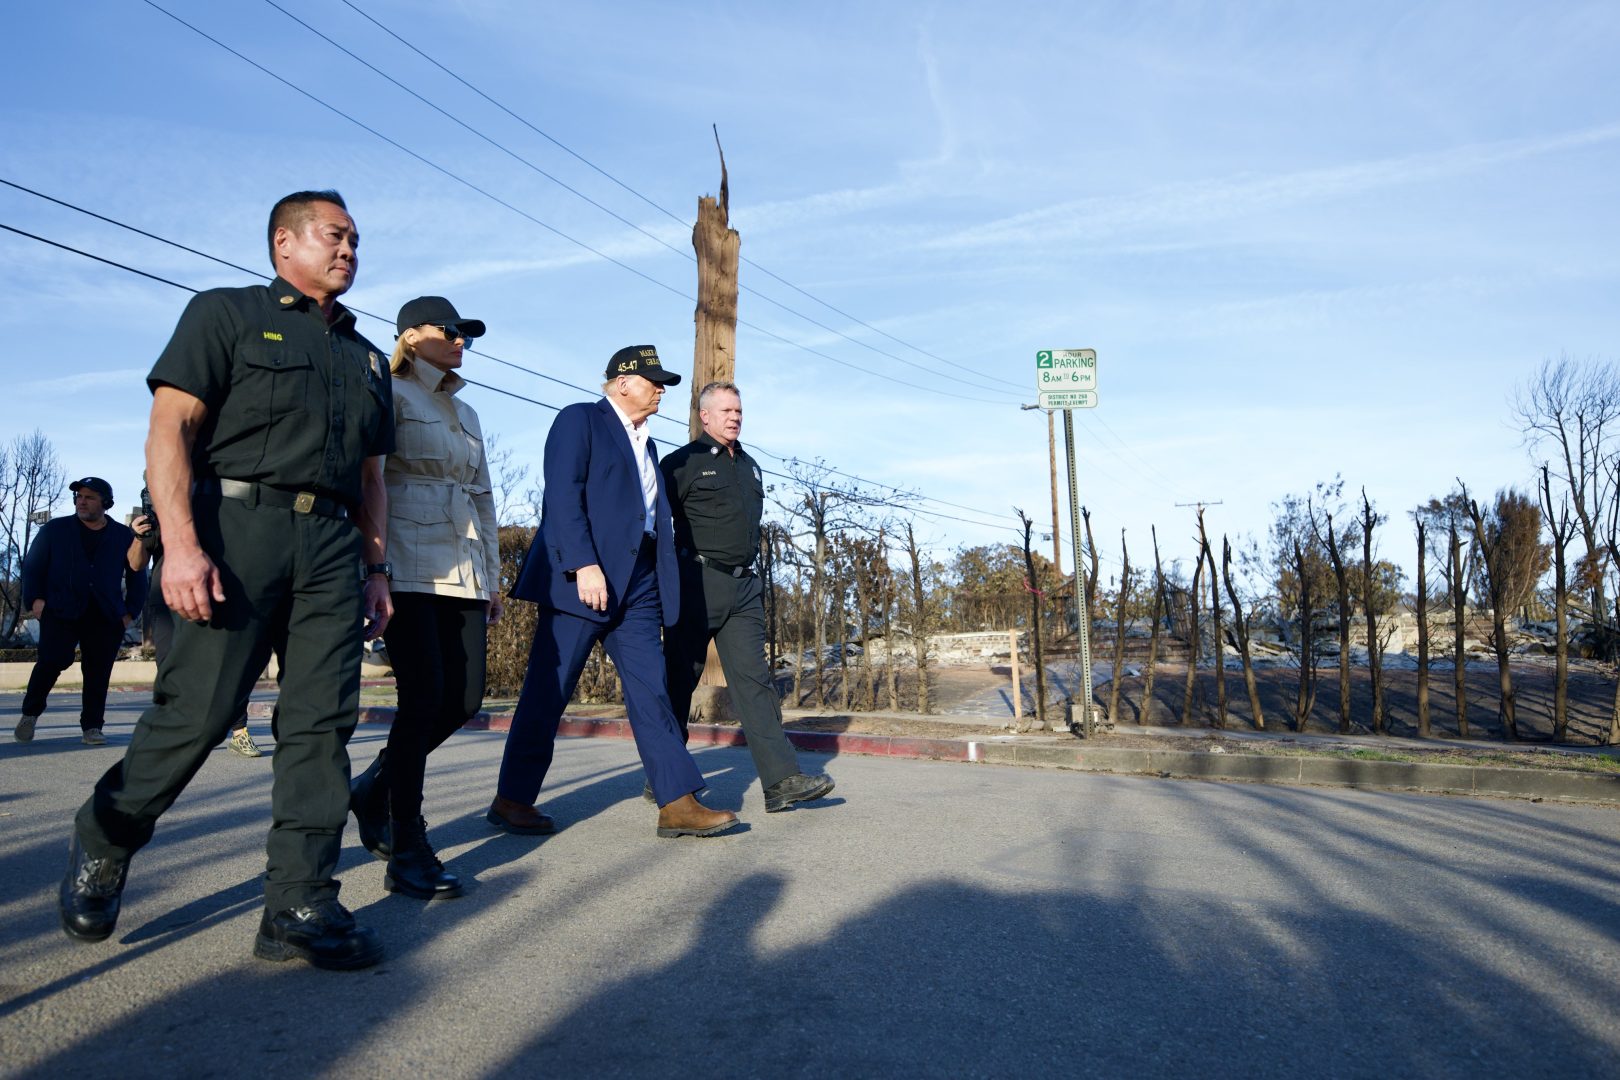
{"x": 368, "y": 801}
{"x": 90, "y": 894}
{"x": 413, "y": 868}
{"x": 321, "y": 932}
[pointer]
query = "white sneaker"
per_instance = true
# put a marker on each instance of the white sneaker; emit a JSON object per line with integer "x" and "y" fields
{"x": 25, "y": 729}
{"x": 94, "y": 737}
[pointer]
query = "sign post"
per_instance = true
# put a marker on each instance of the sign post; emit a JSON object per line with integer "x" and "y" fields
{"x": 1067, "y": 379}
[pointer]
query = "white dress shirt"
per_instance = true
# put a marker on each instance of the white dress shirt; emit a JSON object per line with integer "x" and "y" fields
{"x": 649, "y": 469}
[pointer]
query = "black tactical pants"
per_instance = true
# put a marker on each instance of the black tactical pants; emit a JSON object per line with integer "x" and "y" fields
{"x": 291, "y": 581}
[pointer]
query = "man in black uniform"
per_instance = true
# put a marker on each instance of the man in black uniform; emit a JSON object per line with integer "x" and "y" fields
{"x": 270, "y": 417}
{"x": 718, "y": 496}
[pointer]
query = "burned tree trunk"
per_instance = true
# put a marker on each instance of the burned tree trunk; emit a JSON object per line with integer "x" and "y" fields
{"x": 1215, "y": 623}
{"x": 1241, "y": 627}
{"x": 1306, "y": 701}
{"x": 1341, "y": 578}
{"x": 1120, "y": 608}
{"x": 1189, "y": 696}
{"x": 1034, "y": 584}
{"x": 714, "y": 353}
{"x": 1422, "y": 590}
{"x": 1491, "y": 551}
{"x": 1558, "y": 524}
{"x": 719, "y": 249}
{"x": 1459, "y": 607}
{"x": 1159, "y": 611}
{"x": 1369, "y": 586}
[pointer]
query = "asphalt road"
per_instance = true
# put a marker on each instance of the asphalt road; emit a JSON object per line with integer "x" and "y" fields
{"x": 928, "y": 919}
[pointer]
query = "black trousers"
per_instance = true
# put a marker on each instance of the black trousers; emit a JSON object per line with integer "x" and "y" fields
{"x": 159, "y": 622}
{"x": 436, "y": 645}
{"x": 292, "y": 583}
{"x": 730, "y": 612}
{"x": 97, "y": 638}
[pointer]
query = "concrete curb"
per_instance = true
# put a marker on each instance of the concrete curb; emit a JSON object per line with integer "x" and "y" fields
{"x": 1478, "y": 780}
{"x": 1472, "y": 780}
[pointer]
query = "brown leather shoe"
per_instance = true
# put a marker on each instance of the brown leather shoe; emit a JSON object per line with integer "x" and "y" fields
{"x": 511, "y": 816}
{"x": 688, "y": 817}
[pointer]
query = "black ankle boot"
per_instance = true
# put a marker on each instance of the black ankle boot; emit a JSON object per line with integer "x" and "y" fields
{"x": 368, "y": 801}
{"x": 413, "y": 868}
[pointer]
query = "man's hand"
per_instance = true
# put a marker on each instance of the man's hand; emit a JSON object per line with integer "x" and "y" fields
{"x": 191, "y": 583}
{"x": 496, "y": 607}
{"x": 141, "y": 525}
{"x": 39, "y": 608}
{"x": 592, "y": 587}
{"x": 379, "y": 605}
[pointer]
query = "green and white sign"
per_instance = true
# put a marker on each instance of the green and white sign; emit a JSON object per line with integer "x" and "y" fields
{"x": 1066, "y": 399}
{"x": 1066, "y": 369}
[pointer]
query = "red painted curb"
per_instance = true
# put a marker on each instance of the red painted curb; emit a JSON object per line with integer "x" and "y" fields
{"x": 818, "y": 742}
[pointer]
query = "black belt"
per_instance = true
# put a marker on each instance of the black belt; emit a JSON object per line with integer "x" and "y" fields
{"x": 729, "y": 571}
{"x": 257, "y": 494}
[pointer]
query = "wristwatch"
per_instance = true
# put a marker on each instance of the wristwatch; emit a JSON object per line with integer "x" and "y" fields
{"x": 386, "y": 569}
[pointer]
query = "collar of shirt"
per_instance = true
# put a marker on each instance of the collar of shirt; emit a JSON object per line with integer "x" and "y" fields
{"x": 709, "y": 440}
{"x": 637, "y": 432}
{"x": 434, "y": 379}
{"x": 288, "y": 296}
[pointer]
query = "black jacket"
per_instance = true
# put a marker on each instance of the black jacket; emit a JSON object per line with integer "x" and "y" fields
{"x": 56, "y": 569}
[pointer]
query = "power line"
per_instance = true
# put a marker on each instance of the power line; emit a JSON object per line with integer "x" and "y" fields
{"x": 520, "y": 159}
{"x": 530, "y": 217}
{"x": 660, "y": 208}
{"x": 485, "y": 355}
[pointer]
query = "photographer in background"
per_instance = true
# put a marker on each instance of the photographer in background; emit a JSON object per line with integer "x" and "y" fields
{"x": 75, "y": 581}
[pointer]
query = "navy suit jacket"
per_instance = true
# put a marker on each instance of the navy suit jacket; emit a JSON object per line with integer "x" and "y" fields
{"x": 592, "y": 512}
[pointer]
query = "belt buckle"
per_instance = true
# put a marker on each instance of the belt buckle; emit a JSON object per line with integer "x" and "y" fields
{"x": 305, "y": 502}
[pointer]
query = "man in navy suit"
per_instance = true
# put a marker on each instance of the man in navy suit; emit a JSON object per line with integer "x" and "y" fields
{"x": 602, "y": 568}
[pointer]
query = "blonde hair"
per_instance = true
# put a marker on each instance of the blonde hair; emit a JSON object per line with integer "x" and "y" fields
{"x": 400, "y": 362}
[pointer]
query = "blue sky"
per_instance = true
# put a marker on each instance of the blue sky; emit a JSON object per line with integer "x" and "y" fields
{"x": 1304, "y": 239}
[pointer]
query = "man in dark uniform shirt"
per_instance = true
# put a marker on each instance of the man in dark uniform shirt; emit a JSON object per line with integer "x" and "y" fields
{"x": 77, "y": 584}
{"x": 718, "y": 497}
{"x": 270, "y": 419}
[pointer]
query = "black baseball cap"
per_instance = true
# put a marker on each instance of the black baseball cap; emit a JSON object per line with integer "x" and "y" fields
{"x": 97, "y": 485}
{"x": 435, "y": 311}
{"x": 640, "y": 360}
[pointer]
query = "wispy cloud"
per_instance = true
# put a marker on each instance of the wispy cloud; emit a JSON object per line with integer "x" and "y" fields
{"x": 86, "y": 380}
{"x": 1244, "y": 195}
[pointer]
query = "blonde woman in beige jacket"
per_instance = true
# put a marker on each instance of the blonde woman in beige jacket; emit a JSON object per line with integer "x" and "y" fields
{"x": 444, "y": 555}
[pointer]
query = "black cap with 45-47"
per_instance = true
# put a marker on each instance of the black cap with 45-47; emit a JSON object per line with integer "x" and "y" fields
{"x": 640, "y": 360}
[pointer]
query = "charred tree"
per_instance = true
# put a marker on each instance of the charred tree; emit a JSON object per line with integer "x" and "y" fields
{"x": 1033, "y": 581}
{"x": 1369, "y": 601}
{"x": 1240, "y": 627}
{"x": 1121, "y": 609}
{"x": 1562, "y": 529}
{"x": 1218, "y": 641}
{"x": 1341, "y": 579}
{"x": 1305, "y": 701}
{"x": 1160, "y": 609}
{"x": 1189, "y": 697}
{"x": 1422, "y": 591}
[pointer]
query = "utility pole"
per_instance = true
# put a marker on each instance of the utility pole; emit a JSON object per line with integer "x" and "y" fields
{"x": 714, "y": 350}
{"x": 719, "y": 249}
